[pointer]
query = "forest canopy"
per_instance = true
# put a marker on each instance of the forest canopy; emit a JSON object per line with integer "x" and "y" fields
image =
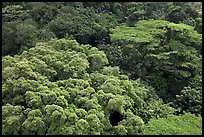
{"x": 101, "y": 68}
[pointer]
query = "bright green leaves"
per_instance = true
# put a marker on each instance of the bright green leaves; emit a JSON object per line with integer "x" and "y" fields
{"x": 65, "y": 89}
{"x": 15, "y": 95}
{"x": 182, "y": 32}
{"x": 78, "y": 62}
{"x": 111, "y": 86}
{"x": 34, "y": 126}
{"x": 95, "y": 124}
{"x": 12, "y": 118}
{"x": 47, "y": 96}
{"x": 23, "y": 69}
{"x": 185, "y": 124}
{"x": 76, "y": 67}
{"x": 154, "y": 108}
{"x": 81, "y": 113}
{"x": 120, "y": 130}
{"x": 62, "y": 87}
{"x": 61, "y": 101}
{"x": 82, "y": 127}
{"x": 14, "y": 12}
{"x": 143, "y": 32}
{"x": 133, "y": 124}
{"x": 115, "y": 71}
{"x": 127, "y": 34}
{"x": 33, "y": 100}
{"x": 8, "y": 61}
{"x": 55, "y": 117}
{"x": 119, "y": 103}
{"x": 55, "y": 114}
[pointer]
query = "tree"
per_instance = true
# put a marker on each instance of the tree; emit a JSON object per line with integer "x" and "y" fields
{"x": 13, "y": 13}
{"x": 26, "y": 35}
{"x": 189, "y": 100}
{"x": 198, "y": 26}
{"x": 42, "y": 13}
{"x": 157, "y": 51}
{"x": 74, "y": 68}
{"x": 55, "y": 93}
{"x": 12, "y": 118}
{"x": 176, "y": 15}
{"x": 18, "y": 36}
{"x": 133, "y": 124}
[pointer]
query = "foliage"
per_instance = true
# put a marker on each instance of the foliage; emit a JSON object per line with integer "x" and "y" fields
{"x": 13, "y": 118}
{"x": 85, "y": 26}
{"x": 89, "y": 22}
{"x": 18, "y": 36}
{"x": 42, "y": 13}
{"x": 189, "y": 100}
{"x": 159, "y": 52}
{"x": 101, "y": 68}
{"x": 185, "y": 124}
{"x": 154, "y": 108}
{"x": 198, "y": 26}
{"x": 58, "y": 88}
{"x": 14, "y": 12}
{"x": 177, "y": 12}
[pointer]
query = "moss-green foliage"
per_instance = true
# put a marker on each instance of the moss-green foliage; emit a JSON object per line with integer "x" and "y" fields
{"x": 42, "y": 12}
{"x": 87, "y": 22}
{"x": 14, "y": 12}
{"x": 185, "y": 124}
{"x": 18, "y": 36}
{"x": 159, "y": 52}
{"x": 62, "y": 87}
{"x": 177, "y": 12}
{"x": 198, "y": 26}
{"x": 84, "y": 24}
{"x": 56, "y": 80}
{"x": 13, "y": 117}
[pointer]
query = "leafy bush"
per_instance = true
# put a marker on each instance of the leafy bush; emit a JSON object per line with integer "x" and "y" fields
{"x": 18, "y": 36}
{"x": 81, "y": 23}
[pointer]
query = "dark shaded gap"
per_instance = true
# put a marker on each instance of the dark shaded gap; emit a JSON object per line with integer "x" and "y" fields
{"x": 115, "y": 117}
{"x": 54, "y": 78}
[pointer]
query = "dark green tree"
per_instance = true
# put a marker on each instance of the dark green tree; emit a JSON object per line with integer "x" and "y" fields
{"x": 164, "y": 54}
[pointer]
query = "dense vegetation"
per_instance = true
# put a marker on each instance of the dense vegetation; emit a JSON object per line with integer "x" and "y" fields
{"x": 101, "y": 68}
{"x": 177, "y": 125}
